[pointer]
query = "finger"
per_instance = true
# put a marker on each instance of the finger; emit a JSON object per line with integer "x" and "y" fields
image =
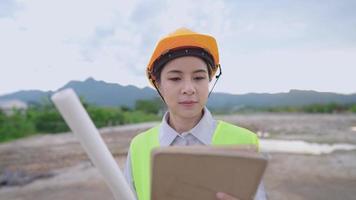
{"x": 224, "y": 196}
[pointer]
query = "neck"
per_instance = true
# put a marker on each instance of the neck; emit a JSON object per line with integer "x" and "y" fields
{"x": 182, "y": 124}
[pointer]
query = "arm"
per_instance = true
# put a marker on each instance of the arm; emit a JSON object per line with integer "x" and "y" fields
{"x": 260, "y": 194}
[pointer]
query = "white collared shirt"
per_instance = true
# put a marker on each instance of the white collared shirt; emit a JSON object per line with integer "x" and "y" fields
{"x": 201, "y": 134}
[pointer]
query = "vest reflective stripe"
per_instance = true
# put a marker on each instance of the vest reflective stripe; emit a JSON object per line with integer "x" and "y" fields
{"x": 142, "y": 145}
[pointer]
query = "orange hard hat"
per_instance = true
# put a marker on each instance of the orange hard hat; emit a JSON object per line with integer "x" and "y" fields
{"x": 188, "y": 43}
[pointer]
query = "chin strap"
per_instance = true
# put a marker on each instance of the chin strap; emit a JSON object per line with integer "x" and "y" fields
{"x": 154, "y": 84}
{"x": 217, "y": 78}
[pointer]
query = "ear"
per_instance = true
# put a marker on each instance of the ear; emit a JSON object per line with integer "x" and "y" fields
{"x": 157, "y": 84}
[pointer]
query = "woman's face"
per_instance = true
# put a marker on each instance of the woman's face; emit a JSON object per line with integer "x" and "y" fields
{"x": 184, "y": 85}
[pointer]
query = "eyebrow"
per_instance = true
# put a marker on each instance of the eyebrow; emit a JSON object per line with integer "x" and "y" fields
{"x": 196, "y": 71}
{"x": 200, "y": 70}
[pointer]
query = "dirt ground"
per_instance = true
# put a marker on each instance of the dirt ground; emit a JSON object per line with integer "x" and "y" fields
{"x": 55, "y": 166}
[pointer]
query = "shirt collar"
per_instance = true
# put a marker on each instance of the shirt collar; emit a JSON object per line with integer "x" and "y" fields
{"x": 203, "y": 131}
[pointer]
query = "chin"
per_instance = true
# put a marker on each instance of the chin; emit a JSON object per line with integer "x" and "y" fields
{"x": 189, "y": 113}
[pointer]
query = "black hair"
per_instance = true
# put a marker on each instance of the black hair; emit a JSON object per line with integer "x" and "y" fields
{"x": 161, "y": 62}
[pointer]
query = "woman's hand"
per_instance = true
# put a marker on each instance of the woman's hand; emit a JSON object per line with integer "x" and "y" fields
{"x": 224, "y": 196}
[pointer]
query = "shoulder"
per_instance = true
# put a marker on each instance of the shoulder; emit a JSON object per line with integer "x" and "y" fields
{"x": 145, "y": 136}
{"x": 231, "y": 132}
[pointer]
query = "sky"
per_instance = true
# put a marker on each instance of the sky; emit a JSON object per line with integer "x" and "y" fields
{"x": 266, "y": 46}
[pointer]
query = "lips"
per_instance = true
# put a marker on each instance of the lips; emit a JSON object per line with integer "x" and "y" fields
{"x": 188, "y": 102}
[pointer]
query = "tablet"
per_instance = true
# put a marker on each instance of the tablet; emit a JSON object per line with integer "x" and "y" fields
{"x": 199, "y": 172}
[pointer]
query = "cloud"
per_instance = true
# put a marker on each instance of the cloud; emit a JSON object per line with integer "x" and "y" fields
{"x": 44, "y": 44}
{"x": 133, "y": 37}
{"x": 8, "y": 8}
{"x": 321, "y": 70}
{"x": 279, "y": 24}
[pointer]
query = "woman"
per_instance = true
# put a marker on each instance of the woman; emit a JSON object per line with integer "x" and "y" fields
{"x": 181, "y": 68}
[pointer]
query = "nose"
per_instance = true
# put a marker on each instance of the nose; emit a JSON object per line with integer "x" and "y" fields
{"x": 188, "y": 88}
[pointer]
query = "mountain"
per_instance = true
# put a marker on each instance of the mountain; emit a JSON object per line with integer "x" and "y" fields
{"x": 109, "y": 94}
{"x": 292, "y": 98}
{"x": 94, "y": 92}
{"x": 112, "y": 94}
{"x": 29, "y": 96}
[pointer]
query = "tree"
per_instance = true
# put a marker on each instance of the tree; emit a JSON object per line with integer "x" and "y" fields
{"x": 149, "y": 106}
{"x": 15, "y": 126}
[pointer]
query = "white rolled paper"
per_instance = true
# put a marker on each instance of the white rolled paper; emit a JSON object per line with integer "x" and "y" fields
{"x": 73, "y": 112}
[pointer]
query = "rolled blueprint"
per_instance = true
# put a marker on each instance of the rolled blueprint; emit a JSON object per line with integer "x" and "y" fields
{"x": 73, "y": 112}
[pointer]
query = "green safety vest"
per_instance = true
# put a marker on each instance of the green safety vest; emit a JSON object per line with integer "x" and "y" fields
{"x": 142, "y": 145}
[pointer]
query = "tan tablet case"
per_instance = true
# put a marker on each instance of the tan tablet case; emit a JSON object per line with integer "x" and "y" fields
{"x": 199, "y": 172}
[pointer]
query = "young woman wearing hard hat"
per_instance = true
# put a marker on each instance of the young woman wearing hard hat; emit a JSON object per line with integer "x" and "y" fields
{"x": 181, "y": 68}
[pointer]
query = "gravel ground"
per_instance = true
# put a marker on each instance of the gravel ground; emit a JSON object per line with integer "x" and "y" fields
{"x": 55, "y": 166}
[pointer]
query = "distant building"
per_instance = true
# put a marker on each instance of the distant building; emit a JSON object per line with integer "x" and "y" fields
{"x": 9, "y": 106}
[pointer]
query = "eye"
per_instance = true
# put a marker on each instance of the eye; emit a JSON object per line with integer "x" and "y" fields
{"x": 198, "y": 78}
{"x": 174, "y": 79}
